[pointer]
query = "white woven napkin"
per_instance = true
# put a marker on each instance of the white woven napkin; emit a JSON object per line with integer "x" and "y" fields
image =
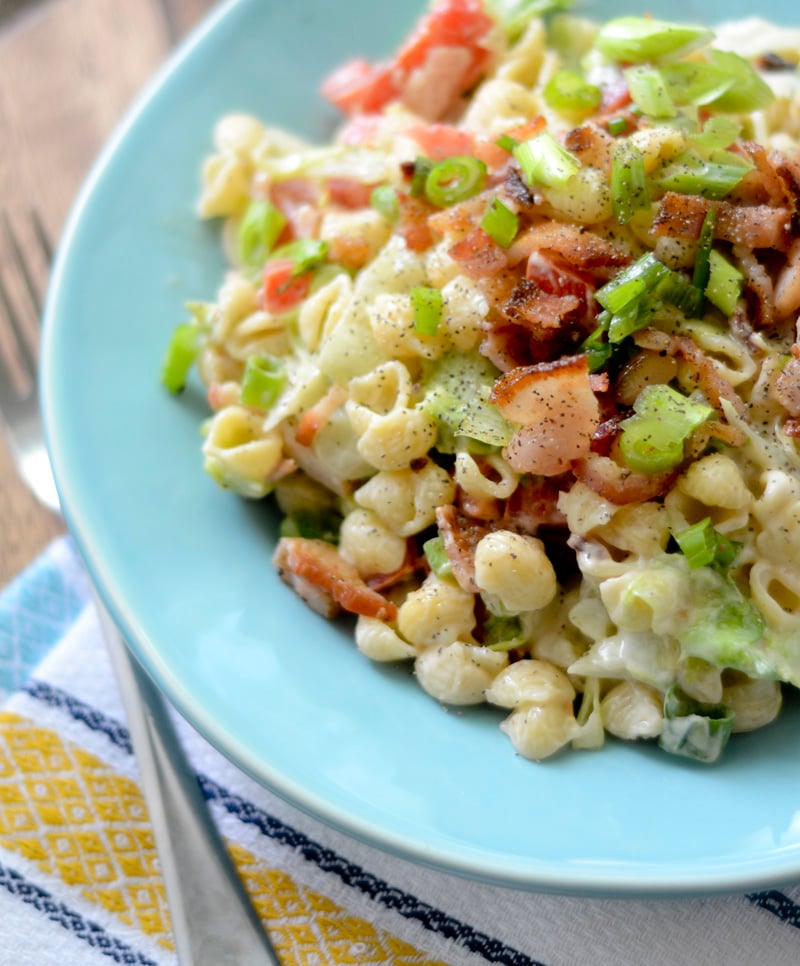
{"x": 79, "y": 880}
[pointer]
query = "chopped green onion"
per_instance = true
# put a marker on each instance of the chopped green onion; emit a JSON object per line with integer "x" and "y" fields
{"x": 617, "y": 125}
{"x": 676, "y": 289}
{"x": 384, "y": 200}
{"x": 179, "y": 358}
{"x": 259, "y": 229}
{"x": 703, "y": 546}
{"x": 312, "y": 524}
{"x": 748, "y": 92}
{"x": 694, "y": 729}
{"x": 724, "y": 287}
{"x": 652, "y": 440}
{"x": 306, "y": 253}
{"x": 570, "y": 94}
{"x": 629, "y": 191}
{"x": 636, "y": 40}
{"x": 718, "y": 132}
{"x": 596, "y": 345}
{"x": 437, "y": 558}
{"x": 702, "y": 264}
{"x": 690, "y": 174}
{"x": 695, "y": 82}
{"x": 422, "y": 168}
{"x": 502, "y": 633}
{"x": 516, "y": 14}
{"x": 544, "y": 161}
{"x": 263, "y": 379}
{"x": 631, "y": 283}
{"x": 427, "y": 306}
{"x": 507, "y": 143}
{"x": 649, "y": 91}
{"x": 500, "y": 223}
{"x": 455, "y": 179}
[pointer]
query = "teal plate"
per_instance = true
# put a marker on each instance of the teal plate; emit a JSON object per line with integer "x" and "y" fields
{"x": 186, "y": 571}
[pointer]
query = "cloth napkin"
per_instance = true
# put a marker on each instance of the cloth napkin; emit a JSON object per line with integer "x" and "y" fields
{"x": 79, "y": 877}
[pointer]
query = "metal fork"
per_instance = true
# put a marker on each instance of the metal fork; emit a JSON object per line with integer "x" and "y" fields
{"x": 213, "y": 921}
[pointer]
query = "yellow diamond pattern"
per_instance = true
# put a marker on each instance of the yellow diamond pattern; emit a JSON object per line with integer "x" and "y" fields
{"x": 66, "y": 810}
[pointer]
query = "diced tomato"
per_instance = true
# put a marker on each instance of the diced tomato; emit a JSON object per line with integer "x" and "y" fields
{"x": 299, "y": 201}
{"x": 282, "y": 289}
{"x": 358, "y": 87}
{"x": 349, "y": 193}
{"x": 451, "y": 23}
{"x": 440, "y": 141}
{"x": 360, "y": 129}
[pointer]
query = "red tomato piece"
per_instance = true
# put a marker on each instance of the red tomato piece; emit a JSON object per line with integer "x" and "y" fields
{"x": 283, "y": 290}
{"x": 358, "y": 87}
{"x": 440, "y": 141}
{"x": 451, "y": 23}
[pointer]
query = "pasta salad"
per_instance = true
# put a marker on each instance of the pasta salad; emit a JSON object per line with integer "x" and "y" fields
{"x": 517, "y": 355}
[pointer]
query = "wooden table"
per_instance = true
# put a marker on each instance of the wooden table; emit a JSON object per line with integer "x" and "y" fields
{"x": 68, "y": 71}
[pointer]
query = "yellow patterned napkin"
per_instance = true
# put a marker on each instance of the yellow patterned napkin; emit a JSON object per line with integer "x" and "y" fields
{"x": 79, "y": 877}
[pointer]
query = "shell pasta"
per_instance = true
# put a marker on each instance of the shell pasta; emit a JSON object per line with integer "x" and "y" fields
{"x": 517, "y": 355}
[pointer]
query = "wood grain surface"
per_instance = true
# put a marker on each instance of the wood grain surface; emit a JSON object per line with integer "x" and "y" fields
{"x": 68, "y": 71}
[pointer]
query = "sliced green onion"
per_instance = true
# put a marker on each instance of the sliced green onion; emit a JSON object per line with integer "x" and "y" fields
{"x": 636, "y": 40}
{"x": 544, "y": 161}
{"x": 631, "y": 283}
{"x": 748, "y": 92}
{"x": 264, "y": 377}
{"x": 702, "y": 265}
{"x": 629, "y": 191}
{"x": 718, "y": 132}
{"x": 516, "y": 14}
{"x": 569, "y": 93}
{"x": 422, "y": 168}
{"x": 676, "y": 289}
{"x": 455, "y": 179}
{"x": 427, "y": 306}
{"x": 180, "y": 356}
{"x": 703, "y": 546}
{"x": 652, "y": 440}
{"x": 649, "y": 91}
{"x": 502, "y": 633}
{"x": 259, "y": 229}
{"x": 507, "y": 143}
{"x": 694, "y": 729}
{"x": 725, "y": 281}
{"x": 500, "y": 223}
{"x": 596, "y": 345}
{"x": 306, "y": 253}
{"x": 313, "y": 525}
{"x": 617, "y": 126}
{"x": 690, "y": 174}
{"x": 695, "y": 82}
{"x": 437, "y": 558}
{"x": 384, "y": 200}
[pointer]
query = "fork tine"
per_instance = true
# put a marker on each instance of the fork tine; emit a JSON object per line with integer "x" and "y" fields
{"x": 24, "y": 353}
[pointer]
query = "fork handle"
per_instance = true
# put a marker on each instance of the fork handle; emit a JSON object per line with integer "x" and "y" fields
{"x": 213, "y": 921}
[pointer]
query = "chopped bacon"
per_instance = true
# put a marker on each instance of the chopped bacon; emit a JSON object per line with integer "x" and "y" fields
{"x": 457, "y": 221}
{"x": 299, "y": 201}
{"x": 591, "y": 145}
{"x": 534, "y": 504}
{"x": 316, "y": 571}
{"x": 680, "y": 216}
{"x": 461, "y": 536}
{"x": 509, "y": 346}
{"x": 574, "y": 245}
{"x": 762, "y": 184}
{"x": 791, "y": 428}
{"x": 537, "y": 309}
{"x": 753, "y": 226}
{"x": 557, "y": 410}
{"x": 557, "y": 278}
{"x": 788, "y": 170}
{"x": 618, "y": 484}
{"x": 478, "y": 507}
{"x": 786, "y": 388}
{"x": 413, "y": 223}
{"x": 759, "y": 287}
{"x": 349, "y": 193}
{"x": 315, "y": 418}
{"x": 413, "y": 563}
{"x": 479, "y": 255}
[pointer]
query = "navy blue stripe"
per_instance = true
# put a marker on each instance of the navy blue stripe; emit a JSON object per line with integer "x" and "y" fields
{"x": 59, "y": 913}
{"x": 779, "y": 905}
{"x": 379, "y": 891}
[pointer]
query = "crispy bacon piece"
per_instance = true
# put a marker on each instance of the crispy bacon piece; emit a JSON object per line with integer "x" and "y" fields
{"x": 479, "y": 255}
{"x": 534, "y": 504}
{"x": 759, "y": 288}
{"x": 762, "y": 184}
{"x": 538, "y": 310}
{"x": 509, "y": 346}
{"x": 557, "y": 410}
{"x": 754, "y": 226}
{"x": 618, "y": 484}
{"x": 315, "y": 418}
{"x": 591, "y": 145}
{"x": 575, "y": 246}
{"x": 791, "y": 428}
{"x": 325, "y": 581}
{"x": 680, "y": 216}
{"x": 413, "y": 223}
{"x": 786, "y": 388}
{"x": 461, "y": 536}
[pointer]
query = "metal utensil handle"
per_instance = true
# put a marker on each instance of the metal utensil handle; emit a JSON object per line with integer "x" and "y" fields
{"x": 213, "y": 920}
